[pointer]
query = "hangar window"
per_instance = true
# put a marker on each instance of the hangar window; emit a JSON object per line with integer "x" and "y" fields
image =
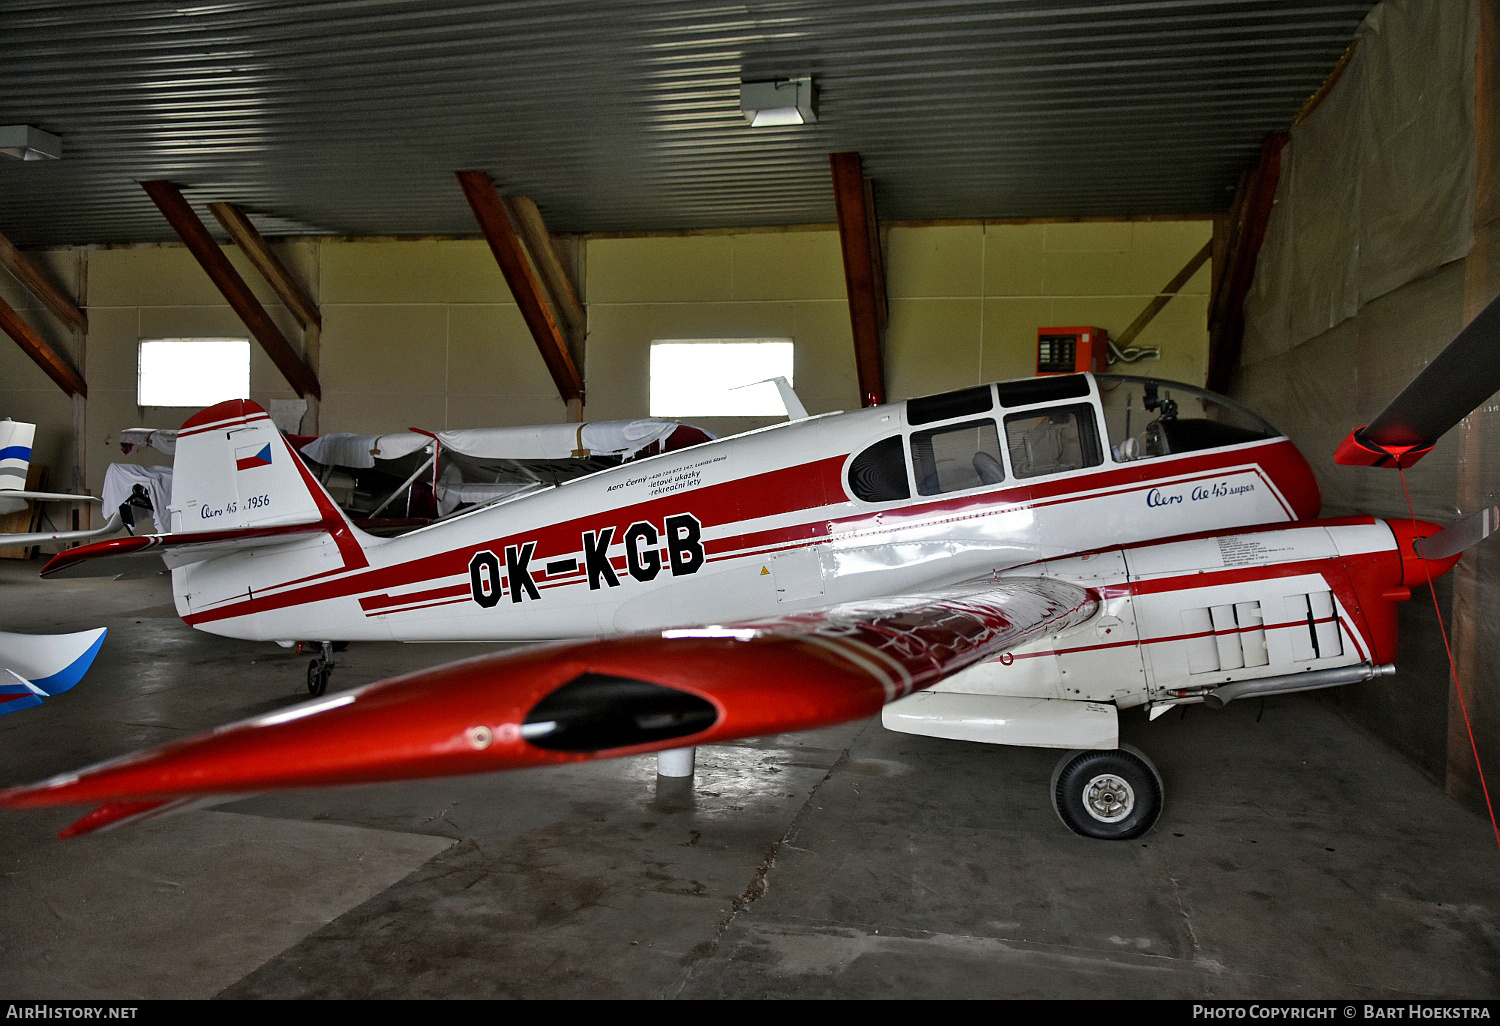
{"x": 719, "y": 377}
{"x": 192, "y": 372}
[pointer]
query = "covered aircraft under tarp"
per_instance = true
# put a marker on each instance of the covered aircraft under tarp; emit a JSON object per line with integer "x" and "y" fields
{"x": 424, "y": 474}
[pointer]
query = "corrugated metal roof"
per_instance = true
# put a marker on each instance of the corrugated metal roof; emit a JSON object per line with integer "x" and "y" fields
{"x": 350, "y": 117}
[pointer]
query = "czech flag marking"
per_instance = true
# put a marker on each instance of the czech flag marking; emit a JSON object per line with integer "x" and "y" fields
{"x": 245, "y": 459}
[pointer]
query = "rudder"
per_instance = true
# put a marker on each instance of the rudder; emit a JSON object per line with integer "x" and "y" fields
{"x": 233, "y": 469}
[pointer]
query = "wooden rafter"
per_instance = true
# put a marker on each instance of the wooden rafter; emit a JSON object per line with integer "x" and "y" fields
{"x": 254, "y": 246}
{"x": 40, "y": 286}
{"x": 1163, "y": 297}
{"x": 495, "y": 223}
{"x": 36, "y": 347}
{"x": 221, "y": 272}
{"x": 864, "y": 274}
{"x": 1247, "y": 230}
{"x": 533, "y": 231}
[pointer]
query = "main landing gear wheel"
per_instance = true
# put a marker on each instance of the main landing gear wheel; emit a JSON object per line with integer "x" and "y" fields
{"x": 1109, "y": 795}
{"x": 321, "y": 668}
{"x": 318, "y": 672}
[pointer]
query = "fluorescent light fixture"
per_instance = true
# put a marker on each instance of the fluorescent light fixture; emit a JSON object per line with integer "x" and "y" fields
{"x": 785, "y": 102}
{"x": 27, "y": 143}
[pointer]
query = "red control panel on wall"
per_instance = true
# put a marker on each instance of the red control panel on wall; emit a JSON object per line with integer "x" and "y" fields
{"x": 1070, "y": 350}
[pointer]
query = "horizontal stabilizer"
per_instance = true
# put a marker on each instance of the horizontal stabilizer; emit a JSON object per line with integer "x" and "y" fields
{"x": 17, "y": 693}
{"x": 145, "y": 555}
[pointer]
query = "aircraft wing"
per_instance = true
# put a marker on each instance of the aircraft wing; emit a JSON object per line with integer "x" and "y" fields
{"x": 593, "y": 699}
{"x": 51, "y": 496}
{"x": 114, "y": 525}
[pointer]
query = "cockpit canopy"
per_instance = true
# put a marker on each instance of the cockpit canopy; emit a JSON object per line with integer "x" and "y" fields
{"x": 1037, "y": 427}
{"x": 1145, "y": 418}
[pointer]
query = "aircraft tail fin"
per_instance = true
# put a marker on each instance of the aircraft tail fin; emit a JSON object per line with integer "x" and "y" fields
{"x": 233, "y": 470}
{"x": 15, "y": 459}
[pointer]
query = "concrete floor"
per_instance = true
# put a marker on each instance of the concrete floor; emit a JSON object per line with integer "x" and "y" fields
{"x": 1297, "y": 858}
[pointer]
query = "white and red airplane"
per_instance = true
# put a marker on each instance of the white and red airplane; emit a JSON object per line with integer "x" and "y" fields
{"x": 1012, "y": 563}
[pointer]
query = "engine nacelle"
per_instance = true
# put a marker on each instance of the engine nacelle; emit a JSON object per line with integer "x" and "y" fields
{"x": 1202, "y": 618}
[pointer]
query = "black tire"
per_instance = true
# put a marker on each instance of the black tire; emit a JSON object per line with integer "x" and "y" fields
{"x": 317, "y": 678}
{"x": 1108, "y": 795}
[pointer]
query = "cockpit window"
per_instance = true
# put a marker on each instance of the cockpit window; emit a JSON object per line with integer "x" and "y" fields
{"x": 956, "y": 457}
{"x": 879, "y": 473}
{"x": 1046, "y": 389}
{"x": 1052, "y": 441}
{"x": 1146, "y": 419}
{"x": 964, "y": 402}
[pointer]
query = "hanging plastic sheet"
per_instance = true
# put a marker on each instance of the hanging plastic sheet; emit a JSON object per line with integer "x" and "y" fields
{"x": 1377, "y": 183}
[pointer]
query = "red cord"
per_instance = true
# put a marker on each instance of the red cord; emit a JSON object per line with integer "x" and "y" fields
{"x": 1453, "y": 673}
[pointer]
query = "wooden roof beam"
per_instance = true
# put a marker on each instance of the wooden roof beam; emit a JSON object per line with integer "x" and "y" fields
{"x": 33, "y": 281}
{"x": 499, "y": 231}
{"x": 864, "y": 272}
{"x": 168, "y": 199}
{"x": 36, "y": 347}
{"x": 544, "y": 260}
{"x": 1247, "y": 230}
{"x": 1163, "y": 297}
{"x": 254, "y": 246}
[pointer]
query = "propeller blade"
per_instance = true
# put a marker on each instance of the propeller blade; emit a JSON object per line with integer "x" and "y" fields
{"x": 1454, "y": 538}
{"x": 1457, "y": 381}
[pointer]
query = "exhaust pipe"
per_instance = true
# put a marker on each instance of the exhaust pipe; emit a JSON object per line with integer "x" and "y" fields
{"x": 1287, "y": 683}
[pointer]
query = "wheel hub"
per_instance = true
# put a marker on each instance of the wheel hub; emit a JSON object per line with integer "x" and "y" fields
{"x": 1108, "y": 798}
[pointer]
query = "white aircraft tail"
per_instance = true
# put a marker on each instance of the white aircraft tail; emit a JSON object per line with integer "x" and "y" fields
{"x": 233, "y": 470}
{"x": 15, "y": 459}
{"x": 236, "y": 486}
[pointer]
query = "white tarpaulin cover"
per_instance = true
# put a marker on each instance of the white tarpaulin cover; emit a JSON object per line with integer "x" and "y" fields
{"x": 161, "y": 440}
{"x": 121, "y": 478}
{"x": 341, "y": 449}
{"x": 533, "y": 442}
{"x": 1377, "y": 183}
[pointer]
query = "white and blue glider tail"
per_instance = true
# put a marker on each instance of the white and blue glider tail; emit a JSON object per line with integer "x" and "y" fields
{"x": 38, "y": 666}
{"x": 15, "y": 458}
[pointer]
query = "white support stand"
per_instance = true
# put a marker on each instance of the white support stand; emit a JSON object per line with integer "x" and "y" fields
{"x": 677, "y": 762}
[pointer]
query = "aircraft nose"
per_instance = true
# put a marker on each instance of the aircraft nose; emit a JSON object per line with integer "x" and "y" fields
{"x": 1416, "y": 570}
